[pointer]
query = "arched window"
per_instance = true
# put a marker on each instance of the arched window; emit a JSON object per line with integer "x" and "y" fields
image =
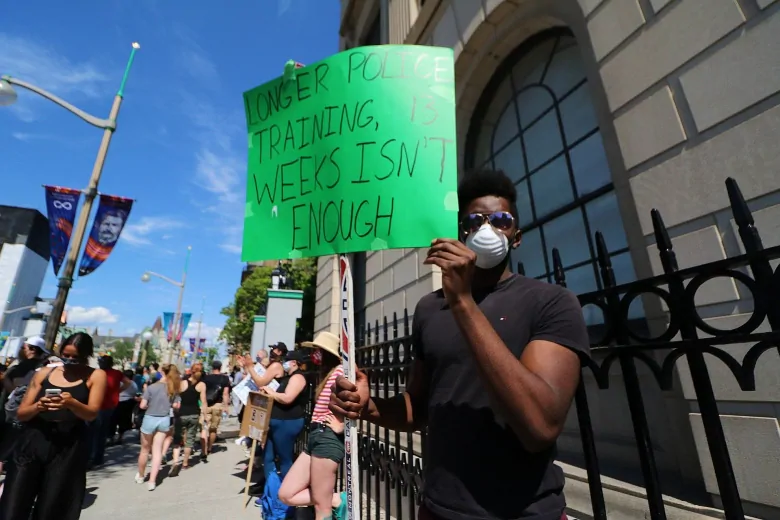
{"x": 536, "y": 122}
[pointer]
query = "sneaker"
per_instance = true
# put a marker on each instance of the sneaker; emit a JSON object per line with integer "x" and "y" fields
{"x": 259, "y": 502}
{"x": 139, "y": 479}
{"x": 152, "y": 486}
{"x": 340, "y": 513}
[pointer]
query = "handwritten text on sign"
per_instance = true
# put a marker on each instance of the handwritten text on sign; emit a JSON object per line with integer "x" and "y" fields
{"x": 356, "y": 153}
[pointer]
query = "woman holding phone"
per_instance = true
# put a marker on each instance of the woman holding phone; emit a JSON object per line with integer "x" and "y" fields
{"x": 49, "y": 475}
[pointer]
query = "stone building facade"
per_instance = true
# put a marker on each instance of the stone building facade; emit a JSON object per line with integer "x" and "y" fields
{"x": 602, "y": 110}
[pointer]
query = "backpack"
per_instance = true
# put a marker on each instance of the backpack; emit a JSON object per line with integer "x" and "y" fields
{"x": 12, "y": 404}
{"x": 273, "y": 508}
{"x": 213, "y": 390}
{"x": 15, "y": 398}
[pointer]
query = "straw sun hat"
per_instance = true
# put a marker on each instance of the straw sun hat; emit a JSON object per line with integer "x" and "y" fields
{"x": 326, "y": 341}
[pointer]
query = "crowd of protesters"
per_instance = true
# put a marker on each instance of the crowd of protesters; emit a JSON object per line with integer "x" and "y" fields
{"x": 60, "y": 414}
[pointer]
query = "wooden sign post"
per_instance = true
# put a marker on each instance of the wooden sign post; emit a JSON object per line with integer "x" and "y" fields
{"x": 257, "y": 418}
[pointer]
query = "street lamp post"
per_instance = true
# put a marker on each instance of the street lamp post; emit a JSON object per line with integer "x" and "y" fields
{"x": 7, "y": 97}
{"x": 147, "y": 338}
{"x": 177, "y": 316}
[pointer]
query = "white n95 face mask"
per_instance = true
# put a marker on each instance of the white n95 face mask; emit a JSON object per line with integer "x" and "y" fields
{"x": 490, "y": 246}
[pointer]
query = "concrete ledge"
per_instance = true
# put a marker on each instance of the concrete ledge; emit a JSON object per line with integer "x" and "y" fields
{"x": 626, "y": 501}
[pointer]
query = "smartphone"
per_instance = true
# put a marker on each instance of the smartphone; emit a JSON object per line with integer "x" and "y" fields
{"x": 51, "y": 392}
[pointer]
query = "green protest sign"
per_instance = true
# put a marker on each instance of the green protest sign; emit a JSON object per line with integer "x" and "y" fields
{"x": 355, "y": 153}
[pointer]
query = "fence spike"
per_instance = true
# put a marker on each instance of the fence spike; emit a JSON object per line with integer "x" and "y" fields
{"x": 663, "y": 242}
{"x": 395, "y": 325}
{"x": 605, "y": 262}
{"x": 739, "y": 207}
{"x": 406, "y": 322}
{"x": 560, "y": 277}
{"x": 602, "y": 252}
{"x": 744, "y": 218}
{"x": 384, "y": 328}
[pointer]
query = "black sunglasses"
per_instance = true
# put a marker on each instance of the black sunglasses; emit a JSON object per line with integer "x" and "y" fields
{"x": 501, "y": 220}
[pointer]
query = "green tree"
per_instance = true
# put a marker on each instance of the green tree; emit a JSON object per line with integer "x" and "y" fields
{"x": 211, "y": 354}
{"x": 249, "y": 301}
{"x": 122, "y": 351}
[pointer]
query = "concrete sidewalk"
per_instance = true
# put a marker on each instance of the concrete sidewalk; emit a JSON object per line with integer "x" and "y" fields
{"x": 203, "y": 492}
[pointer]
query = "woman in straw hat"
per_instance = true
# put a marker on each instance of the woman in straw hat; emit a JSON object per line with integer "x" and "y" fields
{"x": 312, "y": 478}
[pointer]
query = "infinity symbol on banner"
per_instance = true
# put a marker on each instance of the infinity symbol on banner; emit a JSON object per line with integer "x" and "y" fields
{"x": 62, "y": 205}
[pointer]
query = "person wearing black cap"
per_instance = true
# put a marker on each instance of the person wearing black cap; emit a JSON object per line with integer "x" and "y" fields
{"x": 218, "y": 398}
{"x": 278, "y": 352}
{"x": 286, "y": 415}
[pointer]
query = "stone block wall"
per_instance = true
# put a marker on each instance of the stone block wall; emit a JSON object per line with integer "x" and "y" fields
{"x": 686, "y": 94}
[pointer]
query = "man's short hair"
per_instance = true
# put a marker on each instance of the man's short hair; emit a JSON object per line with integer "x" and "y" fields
{"x": 216, "y": 365}
{"x": 483, "y": 183}
{"x": 117, "y": 213}
{"x": 106, "y": 361}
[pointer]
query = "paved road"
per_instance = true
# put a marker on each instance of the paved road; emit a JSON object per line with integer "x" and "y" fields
{"x": 203, "y": 492}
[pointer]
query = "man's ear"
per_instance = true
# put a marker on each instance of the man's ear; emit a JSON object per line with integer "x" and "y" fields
{"x": 516, "y": 239}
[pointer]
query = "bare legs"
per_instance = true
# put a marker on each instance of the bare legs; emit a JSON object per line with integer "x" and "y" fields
{"x": 167, "y": 444}
{"x": 143, "y": 457}
{"x": 207, "y": 440}
{"x": 311, "y": 481}
{"x": 177, "y": 452}
{"x": 157, "y": 452}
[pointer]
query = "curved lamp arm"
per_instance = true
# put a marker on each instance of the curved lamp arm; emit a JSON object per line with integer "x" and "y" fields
{"x": 92, "y": 120}
{"x": 12, "y": 311}
{"x": 161, "y": 277}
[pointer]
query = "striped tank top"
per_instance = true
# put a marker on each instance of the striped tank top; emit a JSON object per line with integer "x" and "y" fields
{"x": 321, "y": 410}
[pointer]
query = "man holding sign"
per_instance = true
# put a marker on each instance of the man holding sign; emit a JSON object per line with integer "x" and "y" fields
{"x": 497, "y": 363}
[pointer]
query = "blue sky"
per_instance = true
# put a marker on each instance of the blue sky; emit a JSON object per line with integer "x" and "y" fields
{"x": 180, "y": 146}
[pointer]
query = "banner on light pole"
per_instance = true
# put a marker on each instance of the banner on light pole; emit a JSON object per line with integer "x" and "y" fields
{"x": 61, "y": 204}
{"x": 110, "y": 219}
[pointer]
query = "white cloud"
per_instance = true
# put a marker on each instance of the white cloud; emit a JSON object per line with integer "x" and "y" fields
{"x": 206, "y": 331}
{"x": 21, "y": 136}
{"x": 219, "y": 170}
{"x": 45, "y": 67}
{"x": 140, "y": 233}
{"x": 90, "y": 316}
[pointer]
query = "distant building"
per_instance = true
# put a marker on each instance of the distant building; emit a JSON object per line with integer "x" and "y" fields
{"x": 24, "y": 257}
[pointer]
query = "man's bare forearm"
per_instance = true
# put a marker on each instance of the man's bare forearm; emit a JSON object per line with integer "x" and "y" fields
{"x": 394, "y": 413}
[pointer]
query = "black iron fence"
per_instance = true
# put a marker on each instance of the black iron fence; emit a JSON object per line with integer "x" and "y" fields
{"x": 391, "y": 463}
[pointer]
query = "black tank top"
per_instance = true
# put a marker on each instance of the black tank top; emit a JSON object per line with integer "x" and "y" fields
{"x": 79, "y": 392}
{"x": 294, "y": 410}
{"x": 189, "y": 401}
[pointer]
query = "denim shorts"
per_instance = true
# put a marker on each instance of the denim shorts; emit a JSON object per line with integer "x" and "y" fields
{"x": 324, "y": 443}
{"x": 152, "y": 424}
